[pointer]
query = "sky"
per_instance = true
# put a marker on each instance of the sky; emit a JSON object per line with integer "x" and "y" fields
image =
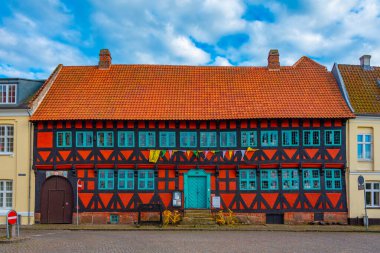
{"x": 37, "y": 35}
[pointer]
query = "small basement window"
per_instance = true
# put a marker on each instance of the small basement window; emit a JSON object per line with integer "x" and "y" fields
{"x": 114, "y": 219}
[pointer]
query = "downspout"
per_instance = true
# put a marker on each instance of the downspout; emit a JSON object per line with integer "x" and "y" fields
{"x": 30, "y": 165}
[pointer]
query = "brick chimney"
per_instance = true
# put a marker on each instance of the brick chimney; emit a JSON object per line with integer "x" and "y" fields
{"x": 105, "y": 59}
{"x": 274, "y": 60}
{"x": 365, "y": 62}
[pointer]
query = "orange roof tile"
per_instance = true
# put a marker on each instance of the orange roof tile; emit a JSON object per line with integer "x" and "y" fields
{"x": 156, "y": 92}
{"x": 362, "y": 88}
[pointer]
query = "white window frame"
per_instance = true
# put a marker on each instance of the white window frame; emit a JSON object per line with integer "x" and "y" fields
{"x": 6, "y": 138}
{"x": 4, "y": 191}
{"x": 372, "y": 191}
{"x": 363, "y": 143}
{"x": 6, "y": 86}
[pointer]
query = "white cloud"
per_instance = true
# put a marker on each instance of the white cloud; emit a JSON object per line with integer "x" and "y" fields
{"x": 221, "y": 61}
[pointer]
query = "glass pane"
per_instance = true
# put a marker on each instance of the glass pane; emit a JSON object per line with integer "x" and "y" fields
{"x": 273, "y": 185}
{"x": 328, "y": 174}
{"x": 110, "y": 184}
{"x": 252, "y": 174}
{"x": 286, "y": 184}
{"x": 316, "y": 184}
{"x": 150, "y": 174}
{"x": 9, "y": 186}
{"x": 150, "y": 184}
{"x": 110, "y": 174}
{"x": 130, "y": 184}
{"x": 102, "y": 185}
{"x": 243, "y": 174}
{"x": 329, "y": 184}
{"x": 307, "y": 184}
{"x": 130, "y": 174}
{"x": 141, "y": 184}
{"x": 368, "y": 151}
{"x": 243, "y": 185}
{"x": 102, "y": 174}
{"x": 368, "y": 186}
{"x": 368, "y": 138}
{"x": 360, "y": 138}
{"x": 8, "y": 200}
{"x": 265, "y": 185}
{"x": 336, "y": 173}
{"x": 252, "y": 185}
{"x": 141, "y": 174}
{"x": 121, "y": 184}
{"x": 376, "y": 198}
{"x": 121, "y": 174}
{"x": 368, "y": 198}
{"x": 337, "y": 184}
{"x": 376, "y": 186}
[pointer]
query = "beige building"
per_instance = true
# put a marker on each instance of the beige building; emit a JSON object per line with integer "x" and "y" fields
{"x": 16, "y": 179}
{"x": 360, "y": 85}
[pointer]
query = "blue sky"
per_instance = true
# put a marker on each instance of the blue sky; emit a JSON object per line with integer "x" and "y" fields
{"x": 36, "y": 36}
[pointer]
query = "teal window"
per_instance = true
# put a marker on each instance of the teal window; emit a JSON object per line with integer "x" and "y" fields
{"x": 290, "y": 179}
{"x": 364, "y": 146}
{"x": 126, "y": 139}
{"x": 126, "y": 180}
{"x": 227, "y": 139}
{"x": 290, "y": 138}
{"x": 207, "y": 139}
{"x": 333, "y": 179}
{"x": 269, "y": 138}
{"x": 167, "y": 139}
{"x": 332, "y": 137}
{"x": 311, "y": 179}
{"x": 188, "y": 139}
{"x": 269, "y": 180}
{"x": 247, "y": 180}
{"x": 311, "y": 138}
{"x": 114, "y": 219}
{"x": 146, "y": 180}
{"x": 105, "y": 139}
{"x": 147, "y": 139}
{"x": 84, "y": 139}
{"x": 248, "y": 139}
{"x": 63, "y": 139}
{"x": 105, "y": 180}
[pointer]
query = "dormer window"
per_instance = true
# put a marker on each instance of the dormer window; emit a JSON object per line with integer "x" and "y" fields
{"x": 8, "y": 93}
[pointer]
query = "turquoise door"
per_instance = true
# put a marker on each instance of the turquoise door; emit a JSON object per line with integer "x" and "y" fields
{"x": 197, "y": 189}
{"x": 197, "y": 192}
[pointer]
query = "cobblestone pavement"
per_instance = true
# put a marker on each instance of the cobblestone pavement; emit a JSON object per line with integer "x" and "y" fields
{"x": 193, "y": 241}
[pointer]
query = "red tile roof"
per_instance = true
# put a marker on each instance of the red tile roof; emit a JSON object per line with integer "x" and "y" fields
{"x": 156, "y": 92}
{"x": 362, "y": 88}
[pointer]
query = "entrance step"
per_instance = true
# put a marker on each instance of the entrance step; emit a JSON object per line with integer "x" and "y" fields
{"x": 198, "y": 217}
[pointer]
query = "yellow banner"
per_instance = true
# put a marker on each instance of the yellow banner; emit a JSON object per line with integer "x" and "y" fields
{"x": 154, "y": 155}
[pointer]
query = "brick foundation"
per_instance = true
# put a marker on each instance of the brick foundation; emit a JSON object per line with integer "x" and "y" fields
{"x": 332, "y": 217}
{"x": 251, "y": 218}
{"x": 124, "y": 218}
{"x": 296, "y": 218}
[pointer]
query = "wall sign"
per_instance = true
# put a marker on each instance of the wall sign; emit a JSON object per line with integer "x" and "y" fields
{"x": 56, "y": 173}
{"x": 216, "y": 202}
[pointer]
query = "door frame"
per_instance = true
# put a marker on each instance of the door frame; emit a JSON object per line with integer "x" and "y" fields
{"x": 44, "y": 195}
{"x": 197, "y": 173}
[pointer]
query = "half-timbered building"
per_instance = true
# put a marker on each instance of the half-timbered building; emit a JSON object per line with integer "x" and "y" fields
{"x": 266, "y": 142}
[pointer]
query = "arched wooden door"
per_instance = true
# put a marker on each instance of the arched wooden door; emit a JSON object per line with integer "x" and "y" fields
{"x": 56, "y": 201}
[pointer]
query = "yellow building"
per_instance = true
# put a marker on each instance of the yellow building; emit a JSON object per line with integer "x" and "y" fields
{"x": 16, "y": 177}
{"x": 360, "y": 85}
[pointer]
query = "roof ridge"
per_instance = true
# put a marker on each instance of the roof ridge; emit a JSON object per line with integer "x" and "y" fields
{"x": 304, "y": 59}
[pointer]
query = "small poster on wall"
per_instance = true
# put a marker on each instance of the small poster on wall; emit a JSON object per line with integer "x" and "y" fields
{"x": 216, "y": 202}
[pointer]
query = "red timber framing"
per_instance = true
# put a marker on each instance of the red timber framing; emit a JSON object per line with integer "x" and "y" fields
{"x": 224, "y": 169}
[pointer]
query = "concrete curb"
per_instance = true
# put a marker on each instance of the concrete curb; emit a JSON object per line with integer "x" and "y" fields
{"x": 13, "y": 240}
{"x": 272, "y": 228}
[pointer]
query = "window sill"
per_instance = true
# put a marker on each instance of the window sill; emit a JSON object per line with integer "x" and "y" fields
{"x": 373, "y": 207}
{"x": 365, "y": 160}
{"x": 7, "y": 154}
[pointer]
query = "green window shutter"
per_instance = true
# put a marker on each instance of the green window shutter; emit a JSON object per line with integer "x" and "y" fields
{"x": 147, "y": 139}
{"x": 333, "y": 179}
{"x": 126, "y": 139}
{"x": 64, "y": 139}
{"x": 84, "y": 139}
{"x": 188, "y": 139}
{"x": 269, "y": 180}
{"x": 247, "y": 180}
{"x": 126, "y": 180}
{"x": 311, "y": 179}
{"x": 290, "y": 179}
{"x": 106, "y": 180}
{"x": 167, "y": 139}
{"x": 145, "y": 179}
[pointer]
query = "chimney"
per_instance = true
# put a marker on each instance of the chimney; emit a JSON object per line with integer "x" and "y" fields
{"x": 365, "y": 62}
{"x": 105, "y": 59}
{"x": 273, "y": 60}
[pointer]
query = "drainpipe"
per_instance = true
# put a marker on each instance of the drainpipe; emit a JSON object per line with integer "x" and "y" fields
{"x": 30, "y": 165}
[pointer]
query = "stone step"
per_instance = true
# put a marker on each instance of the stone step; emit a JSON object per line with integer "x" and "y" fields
{"x": 195, "y": 215}
{"x": 205, "y": 226}
{"x": 198, "y": 211}
{"x": 198, "y": 221}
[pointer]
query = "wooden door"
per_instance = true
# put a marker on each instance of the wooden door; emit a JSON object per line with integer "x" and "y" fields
{"x": 56, "y": 201}
{"x": 197, "y": 195}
